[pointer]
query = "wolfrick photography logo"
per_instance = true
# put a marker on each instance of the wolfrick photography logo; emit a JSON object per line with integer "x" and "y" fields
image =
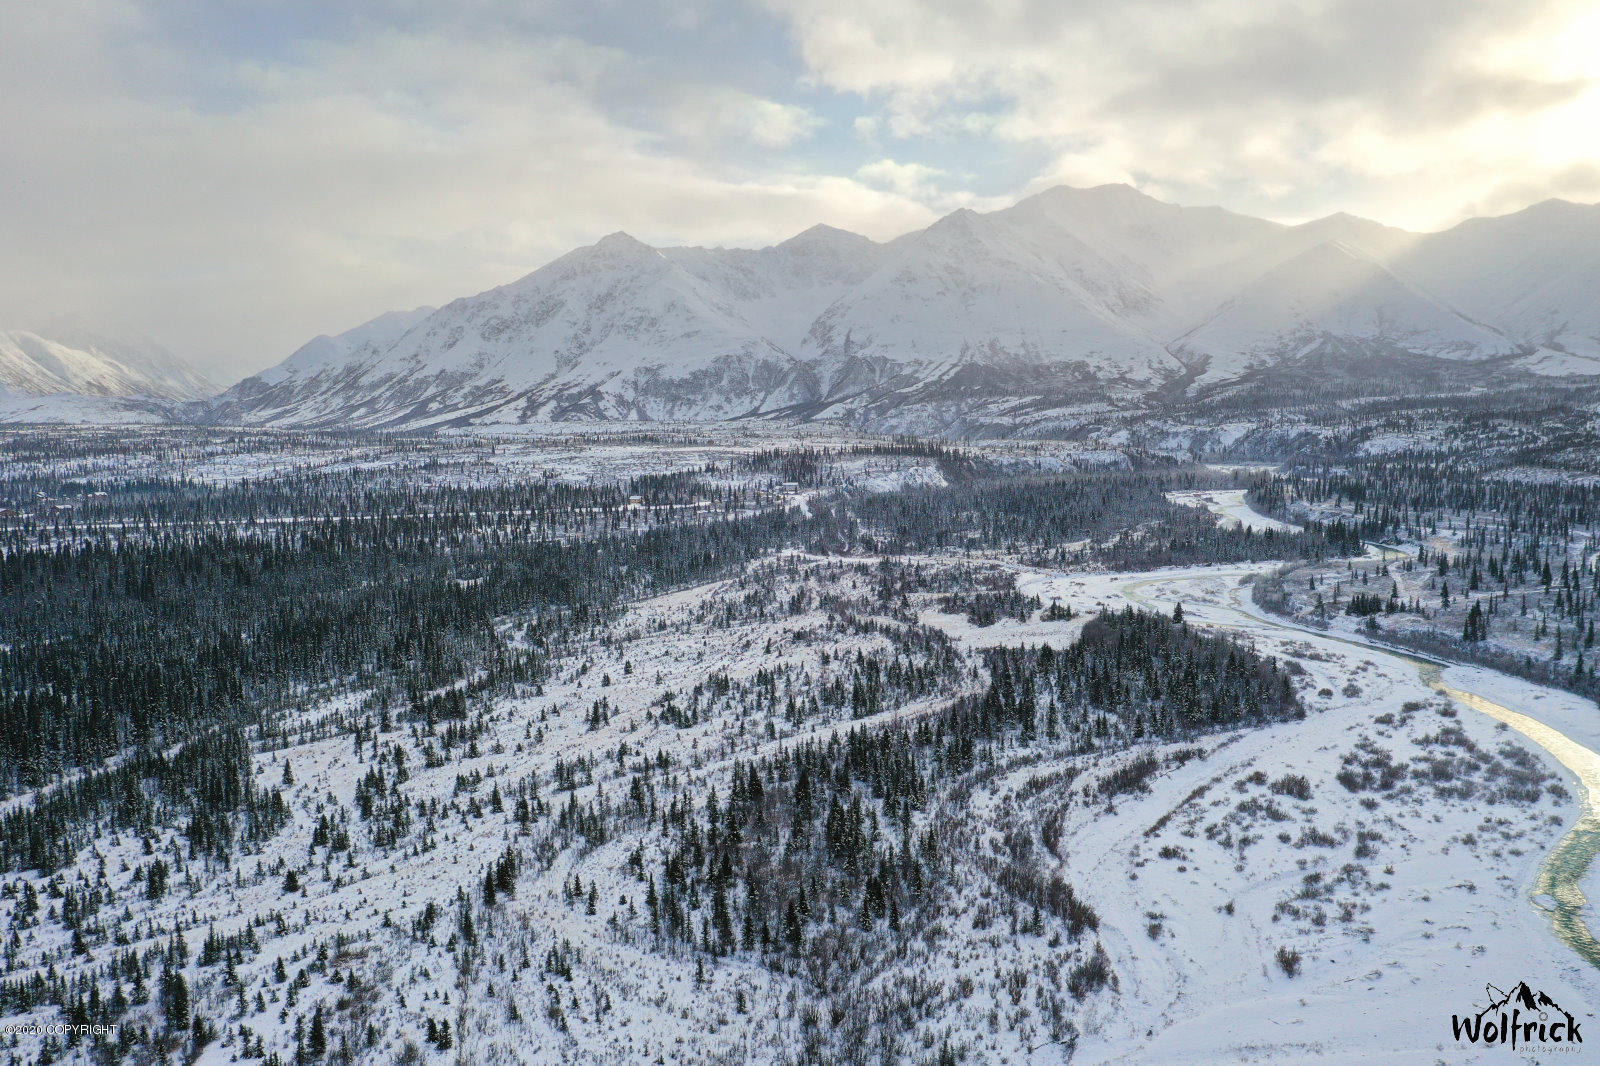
{"x": 1518, "y": 1018}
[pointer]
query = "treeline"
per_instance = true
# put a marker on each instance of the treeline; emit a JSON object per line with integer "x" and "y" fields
{"x": 520, "y": 507}
{"x": 1131, "y": 675}
{"x": 809, "y": 465}
{"x": 1125, "y": 515}
{"x": 1417, "y": 491}
{"x": 1505, "y": 558}
{"x": 209, "y": 778}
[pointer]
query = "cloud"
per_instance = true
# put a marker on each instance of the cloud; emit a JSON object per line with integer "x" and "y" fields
{"x": 916, "y": 180}
{"x": 717, "y": 118}
{"x": 235, "y": 206}
{"x": 1415, "y": 109}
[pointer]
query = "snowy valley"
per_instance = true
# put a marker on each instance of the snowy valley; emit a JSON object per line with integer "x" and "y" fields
{"x": 492, "y": 749}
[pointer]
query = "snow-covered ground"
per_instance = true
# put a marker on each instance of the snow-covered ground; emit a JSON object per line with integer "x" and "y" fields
{"x": 1386, "y": 847}
{"x": 1403, "y": 904}
{"x": 1230, "y": 505}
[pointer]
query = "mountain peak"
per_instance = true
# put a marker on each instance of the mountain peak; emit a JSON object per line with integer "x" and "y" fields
{"x": 823, "y": 234}
{"x": 617, "y": 250}
{"x": 1555, "y": 207}
{"x": 621, "y": 241}
{"x": 1105, "y": 189}
{"x": 1331, "y": 251}
{"x": 1112, "y": 193}
{"x": 1343, "y": 220}
{"x": 959, "y": 220}
{"x": 1118, "y": 189}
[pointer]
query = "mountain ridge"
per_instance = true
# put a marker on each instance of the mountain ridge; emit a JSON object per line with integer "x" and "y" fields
{"x": 1069, "y": 295}
{"x": 70, "y": 359}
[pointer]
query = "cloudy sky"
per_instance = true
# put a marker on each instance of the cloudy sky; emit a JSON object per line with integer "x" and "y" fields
{"x": 233, "y": 178}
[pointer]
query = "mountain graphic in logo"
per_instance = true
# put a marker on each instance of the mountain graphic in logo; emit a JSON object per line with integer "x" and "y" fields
{"x": 1517, "y": 1018}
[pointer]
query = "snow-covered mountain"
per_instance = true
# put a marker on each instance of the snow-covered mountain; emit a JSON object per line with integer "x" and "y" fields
{"x": 78, "y": 375}
{"x": 324, "y": 351}
{"x": 1534, "y": 274}
{"x": 615, "y": 330}
{"x": 1070, "y": 296}
{"x": 1332, "y": 292}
